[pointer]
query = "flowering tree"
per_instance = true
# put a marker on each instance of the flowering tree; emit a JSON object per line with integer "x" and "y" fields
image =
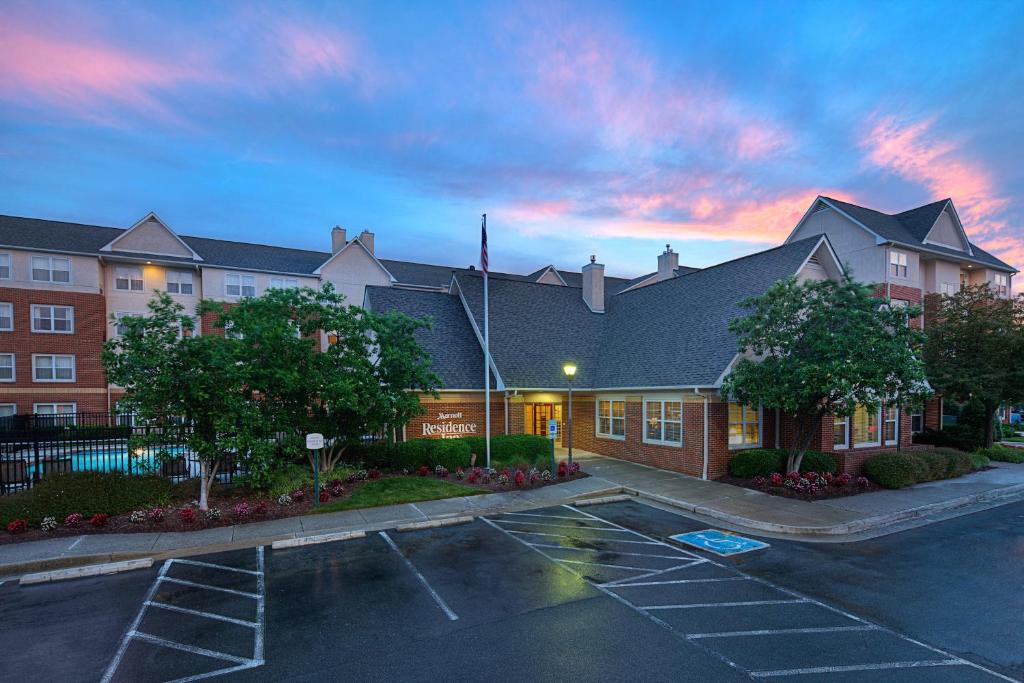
{"x": 820, "y": 348}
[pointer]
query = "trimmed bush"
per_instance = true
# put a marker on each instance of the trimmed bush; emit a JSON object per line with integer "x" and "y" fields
{"x": 895, "y": 470}
{"x": 88, "y": 493}
{"x": 1003, "y": 453}
{"x": 961, "y": 437}
{"x": 509, "y": 449}
{"x": 411, "y": 455}
{"x": 979, "y": 461}
{"x": 762, "y": 462}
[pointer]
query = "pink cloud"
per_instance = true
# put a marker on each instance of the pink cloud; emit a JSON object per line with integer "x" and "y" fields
{"x": 916, "y": 152}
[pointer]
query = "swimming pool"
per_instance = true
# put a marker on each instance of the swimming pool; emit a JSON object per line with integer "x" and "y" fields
{"x": 108, "y": 459}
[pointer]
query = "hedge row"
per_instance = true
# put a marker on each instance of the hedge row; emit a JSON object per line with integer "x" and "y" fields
{"x": 762, "y": 462}
{"x": 902, "y": 469}
{"x": 506, "y": 451}
{"x": 1003, "y": 453}
{"x": 58, "y": 495}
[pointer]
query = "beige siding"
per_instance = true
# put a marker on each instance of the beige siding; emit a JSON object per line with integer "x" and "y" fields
{"x": 153, "y": 278}
{"x": 151, "y": 237}
{"x": 913, "y": 278}
{"x": 938, "y": 272}
{"x": 854, "y": 245}
{"x": 550, "y": 278}
{"x": 351, "y": 270}
{"x": 213, "y": 282}
{"x": 945, "y": 233}
{"x": 85, "y": 273}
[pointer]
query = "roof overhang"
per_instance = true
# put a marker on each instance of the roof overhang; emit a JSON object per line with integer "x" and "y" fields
{"x": 956, "y": 221}
{"x": 355, "y": 241}
{"x": 151, "y": 216}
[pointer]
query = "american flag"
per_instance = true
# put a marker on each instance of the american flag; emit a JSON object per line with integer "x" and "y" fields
{"x": 483, "y": 244}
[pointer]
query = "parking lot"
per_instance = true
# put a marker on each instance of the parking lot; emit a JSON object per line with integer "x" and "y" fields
{"x": 583, "y": 593}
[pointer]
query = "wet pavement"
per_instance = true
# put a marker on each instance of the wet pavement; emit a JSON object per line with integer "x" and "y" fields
{"x": 589, "y": 593}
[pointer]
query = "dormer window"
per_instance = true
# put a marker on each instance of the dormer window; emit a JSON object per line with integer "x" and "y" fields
{"x": 897, "y": 263}
{"x": 128, "y": 279}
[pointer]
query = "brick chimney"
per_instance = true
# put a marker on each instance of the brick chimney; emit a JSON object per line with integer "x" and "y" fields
{"x": 366, "y": 237}
{"x": 338, "y": 240}
{"x": 593, "y": 285}
{"x": 668, "y": 262}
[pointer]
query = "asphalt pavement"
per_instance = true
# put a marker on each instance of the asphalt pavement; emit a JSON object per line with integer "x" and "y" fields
{"x": 562, "y": 593}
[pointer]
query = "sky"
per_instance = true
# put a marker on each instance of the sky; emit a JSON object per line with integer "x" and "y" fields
{"x": 588, "y": 128}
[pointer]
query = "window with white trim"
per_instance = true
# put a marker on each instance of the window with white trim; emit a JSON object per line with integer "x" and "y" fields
{"x": 119, "y": 327}
{"x": 744, "y": 426}
{"x": 897, "y": 263}
{"x": 61, "y": 413}
{"x": 5, "y": 266}
{"x": 53, "y": 319}
{"x": 284, "y": 283}
{"x": 891, "y": 425}
{"x": 128, "y": 279}
{"x": 866, "y": 426}
{"x": 663, "y": 422}
{"x": 51, "y": 269}
{"x": 6, "y": 367}
{"x": 916, "y": 420}
{"x": 179, "y": 282}
{"x": 236, "y": 284}
{"x": 950, "y": 288}
{"x": 841, "y": 432}
{"x": 49, "y": 367}
{"x": 6, "y": 317}
{"x": 1002, "y": 283}
{"x": 611, "y": 418}
{"x": 8, "y": 409}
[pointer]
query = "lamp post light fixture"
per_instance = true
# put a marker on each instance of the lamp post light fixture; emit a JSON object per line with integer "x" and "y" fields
{"x": 570, "y": 371}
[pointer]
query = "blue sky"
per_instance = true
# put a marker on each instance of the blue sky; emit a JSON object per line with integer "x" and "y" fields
{"x": 579, "y": 128}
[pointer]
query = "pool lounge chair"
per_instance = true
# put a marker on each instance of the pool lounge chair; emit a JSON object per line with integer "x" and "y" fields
{"x": 13, "y": 475}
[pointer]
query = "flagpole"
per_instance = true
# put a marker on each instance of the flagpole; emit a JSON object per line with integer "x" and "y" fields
{"x": 487, "y": 347}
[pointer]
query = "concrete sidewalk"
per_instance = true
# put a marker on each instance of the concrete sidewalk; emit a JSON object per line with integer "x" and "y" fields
{"x": 838, "y": 519}
{"x": 69, "y": 551}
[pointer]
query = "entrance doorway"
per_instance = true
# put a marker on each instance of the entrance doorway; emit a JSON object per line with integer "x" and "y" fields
{"x": 537, "y": 416}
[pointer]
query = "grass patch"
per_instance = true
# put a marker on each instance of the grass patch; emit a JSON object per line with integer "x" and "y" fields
{"x": 399, "y": 490}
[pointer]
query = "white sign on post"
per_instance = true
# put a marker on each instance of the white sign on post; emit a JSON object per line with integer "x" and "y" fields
{"x": 552, "y": 429}
{"x": 314, "y": 441}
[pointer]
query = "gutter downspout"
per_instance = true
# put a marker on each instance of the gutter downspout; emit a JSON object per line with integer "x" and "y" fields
{"x": 506, "y": 412}
{"x": 704, "y": 470}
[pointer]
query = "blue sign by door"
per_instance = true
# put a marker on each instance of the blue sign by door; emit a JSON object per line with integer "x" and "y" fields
{"x": 552, "y": 429}
{"x": 719, "y": 542}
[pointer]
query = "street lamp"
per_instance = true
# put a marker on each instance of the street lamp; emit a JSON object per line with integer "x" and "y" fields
{"x": 570, "y": 371}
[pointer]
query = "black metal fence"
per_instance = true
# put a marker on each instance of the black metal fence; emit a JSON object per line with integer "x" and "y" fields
{"x": 34, "y": 446}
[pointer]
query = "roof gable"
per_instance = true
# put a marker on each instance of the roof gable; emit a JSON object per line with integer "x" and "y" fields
{"x": 550, "y": 276}
{"x": 946, "y": 230}
{"x": 359, "y": 247}
{"x": 151, "y": 236}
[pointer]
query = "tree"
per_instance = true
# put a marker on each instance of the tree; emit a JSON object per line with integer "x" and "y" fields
{"x": 170, "y": 375}
{"x": 821, "y": 348}
{"x": 366, "y": 380}
{"x": 974, "y": 347}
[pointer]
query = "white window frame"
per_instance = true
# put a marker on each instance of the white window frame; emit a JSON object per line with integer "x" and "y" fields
{"x": 5, "y": 262}
{"x": 180, "y": 279}
{"x": 1002, "y": 283}
{"x": 50, "y": 260}
{"x": 240, "y": 279}
{"x": 662, "y": 421}
{"x": 56, "y": 410}
{"x": 879, "y": 435}
{"x": 12, "y": 406}
{"x": 14, "y": 367}
{"x": 117, "y": 322}
{"x": 845, "y": 421}
{"x": 743, "y": 426}
{"x": 53, "y": 367}
{"x": 52, "y": 308}
{"x": 916, "y": 413}
{"x": 126, "y": 273}
{"x": 950, "y": 288}
{"x": 894, "y": 412}
{"x": 283, "y": 283}
{"x": 899, "y": 264}
{"x": 10, "y": 314}
{"x": 610, "y": 400}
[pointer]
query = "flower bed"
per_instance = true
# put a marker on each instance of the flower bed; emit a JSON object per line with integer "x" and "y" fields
{"x": 240, "y": 505}
{"x": 806, "y": 485}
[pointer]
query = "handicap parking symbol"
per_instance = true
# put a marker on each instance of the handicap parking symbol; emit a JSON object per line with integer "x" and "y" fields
{"x": 719, "y": 542}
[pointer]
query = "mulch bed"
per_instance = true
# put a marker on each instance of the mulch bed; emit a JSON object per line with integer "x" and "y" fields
{"x": 225, "y": 498}
{"x": 830, "y": 492}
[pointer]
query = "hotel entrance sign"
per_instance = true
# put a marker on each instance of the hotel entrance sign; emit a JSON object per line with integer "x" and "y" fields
{"x": 552, "y": 429}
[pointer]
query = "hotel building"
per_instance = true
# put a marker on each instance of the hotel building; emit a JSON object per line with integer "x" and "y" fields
{"x": 651, "y": 351}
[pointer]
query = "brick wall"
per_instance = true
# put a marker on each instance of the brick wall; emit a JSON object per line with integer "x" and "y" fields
{"x": 471, "y": 408}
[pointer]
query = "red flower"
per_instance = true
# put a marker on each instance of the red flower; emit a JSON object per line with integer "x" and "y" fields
{"x": 776, "y": 479}
{"x": 520, "y": 478}
{"x": 325, "y": 496}
{"x": 74, "y": 519}
{"x": 187, "y": 515}
{"x": 99, "y": 520}
{"x": 372, "y": 474}
{"x": 17, "y": 526}
{"x": 261, "y": 507}
{"x": 563, "y": 469}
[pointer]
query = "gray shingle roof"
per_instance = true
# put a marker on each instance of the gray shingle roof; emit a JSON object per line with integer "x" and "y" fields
{"x": 453, "y": 347}
{"x": 911, "y": 227}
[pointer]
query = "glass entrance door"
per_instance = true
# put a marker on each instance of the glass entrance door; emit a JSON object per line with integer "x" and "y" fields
{"x": 542, "y": 412}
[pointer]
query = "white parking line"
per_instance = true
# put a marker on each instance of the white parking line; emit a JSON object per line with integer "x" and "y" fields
{"x": 781, "y": 631}
{"x": 567, "y": 526}
{"x": 210, "y": 565}
{"x": 147, "y": 638}
{"x": 675, "y": 581}
{"x": 533, "y": 514}
{"x": 647, "y": 575}
{"x": 197, "y": 613}
{"x": 861, "y": 667}
{"x": 119, "y": 655}
{"x": 741, "y": 603}
{"x": 433, "y": 593}
{"x": 613, "y": 552}
{"x": 207, "y": 587}
{"x": 610, "y": 540}
{"x": 595, "y": 564}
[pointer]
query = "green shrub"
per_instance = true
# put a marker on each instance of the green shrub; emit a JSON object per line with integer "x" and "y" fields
{"x": 509, "y": 449}
{"x": 410, "y": 455}
{"x": 961, "y": 437}
{"x": 59, "y": 495}
{"x": 979, "y": 461}
{"x": 287, "y": 479}
{"x": 763, "y": 461}
{"x": 895, "y": 470}
{"x": 1003, "y": 453}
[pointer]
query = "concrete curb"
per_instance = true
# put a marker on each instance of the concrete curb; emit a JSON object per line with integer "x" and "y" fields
{"x": 1003, "y": 495}
{"x": 88, "y": 570}
{"x": 434, "y": 523}
{"x": 583, "y": 502}
{"x": 318, "y": 538}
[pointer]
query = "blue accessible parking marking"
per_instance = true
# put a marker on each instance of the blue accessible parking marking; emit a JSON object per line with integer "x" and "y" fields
{"x": 719, "y": 542}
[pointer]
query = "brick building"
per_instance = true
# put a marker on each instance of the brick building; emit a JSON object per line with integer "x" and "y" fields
{"x": 651, "y": 351}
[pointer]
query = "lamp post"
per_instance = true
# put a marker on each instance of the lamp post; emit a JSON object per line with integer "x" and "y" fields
{"x": 570, "y": 371}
